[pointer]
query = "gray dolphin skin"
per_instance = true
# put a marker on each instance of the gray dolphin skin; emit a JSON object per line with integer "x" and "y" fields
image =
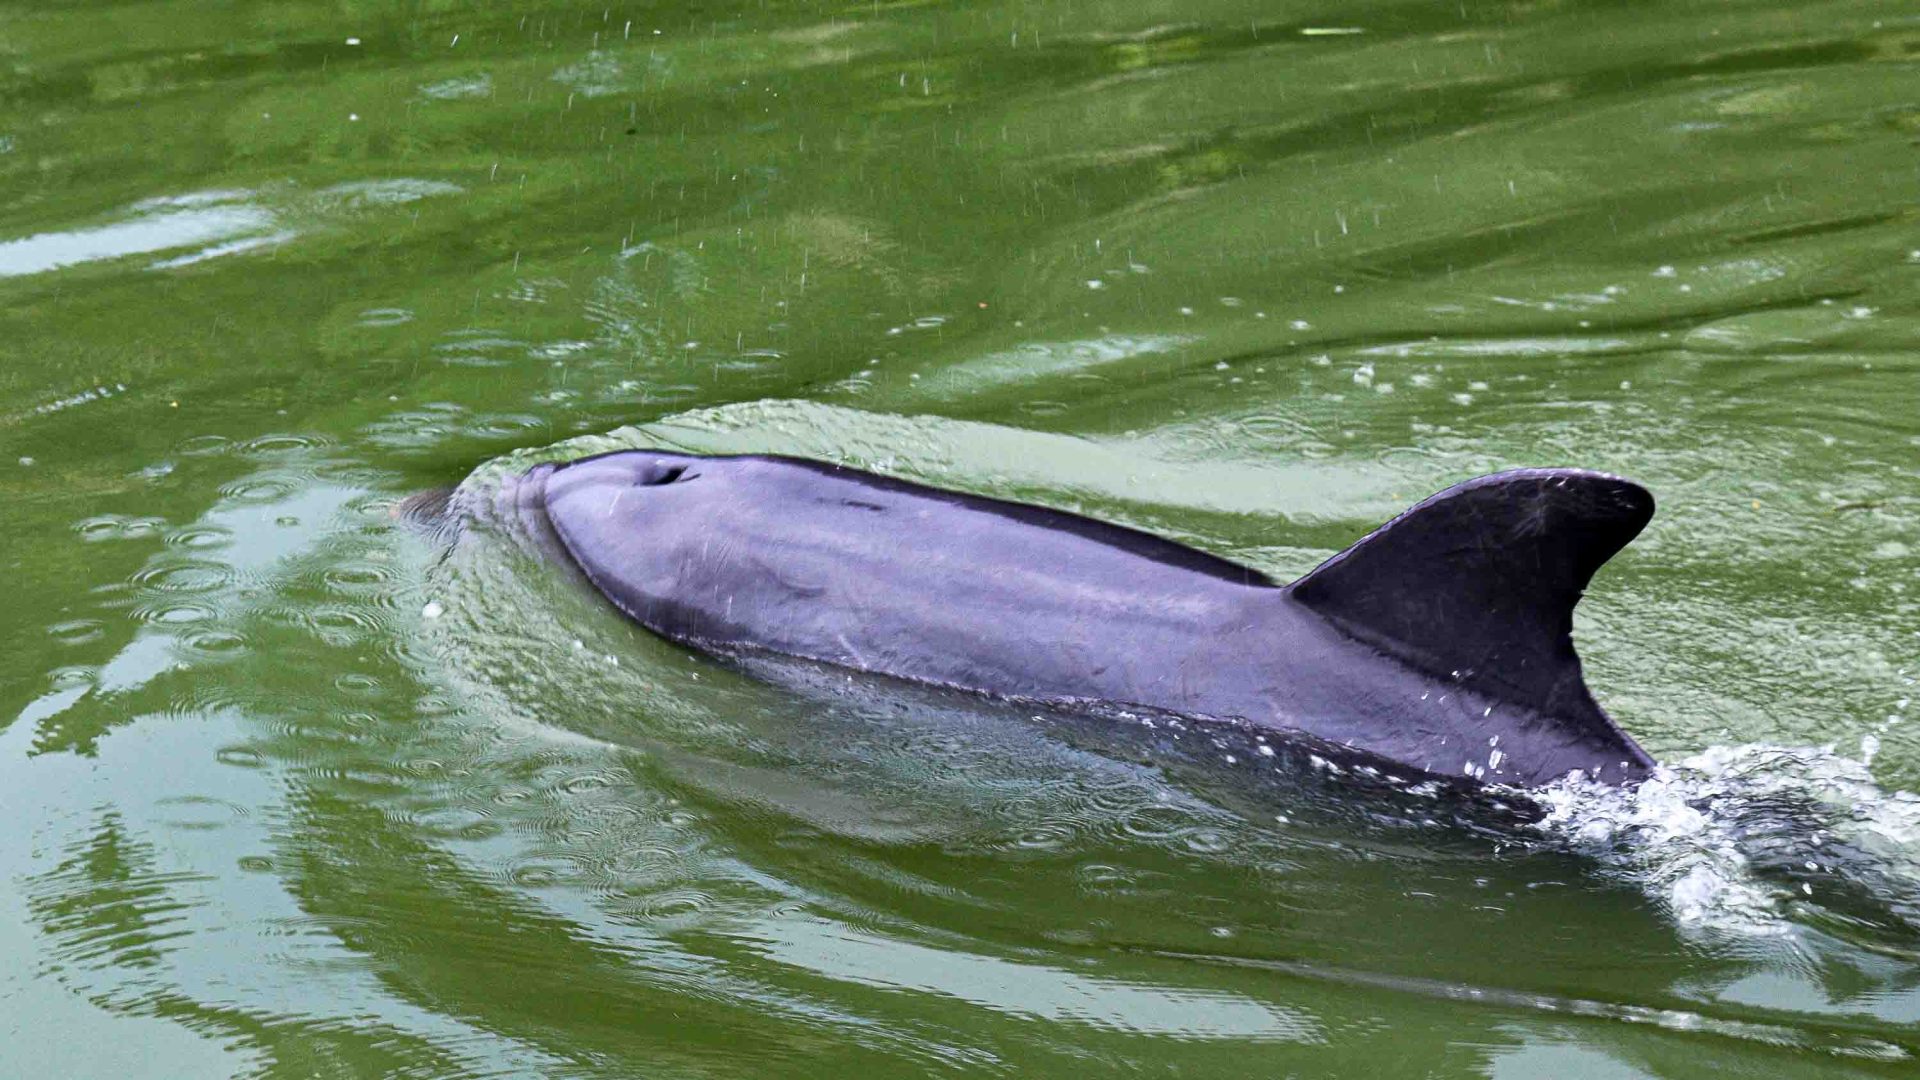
{"x": 1442, "y": 641}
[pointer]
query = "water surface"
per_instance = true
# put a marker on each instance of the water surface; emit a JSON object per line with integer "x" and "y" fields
{"x": 295, "y": 792}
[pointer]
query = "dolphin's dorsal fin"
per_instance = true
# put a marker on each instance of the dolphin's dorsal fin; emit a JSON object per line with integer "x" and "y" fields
{"x": 1477, "y": 584}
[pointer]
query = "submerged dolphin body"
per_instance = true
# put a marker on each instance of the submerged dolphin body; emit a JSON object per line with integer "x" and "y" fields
{"x": 1441, "y": 641}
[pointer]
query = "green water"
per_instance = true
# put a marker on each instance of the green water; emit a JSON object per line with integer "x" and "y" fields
{"x": 292, "y": 792}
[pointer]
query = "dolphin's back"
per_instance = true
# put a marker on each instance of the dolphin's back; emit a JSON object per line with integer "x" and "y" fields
{"x": 882, "y": 575}
{"x": 1442, "y": 640}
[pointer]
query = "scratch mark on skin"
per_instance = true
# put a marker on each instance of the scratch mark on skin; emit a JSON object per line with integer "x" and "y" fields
{"x": 858, "y": 657}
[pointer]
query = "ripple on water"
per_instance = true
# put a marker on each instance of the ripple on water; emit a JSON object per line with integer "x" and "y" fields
{"x": 204, "y": 446}
{"x": 214, "y": 643}
{"x": 200, "y": 537}
{"x": 457, "y": 822}
{"x": 76, "y": 631}
{"x": 431, "y": 414}
{"x": 368, "y": 580}
{"x": 540, "y": 870}
{"x": 243, "y": 757}
{"x": 72, "y": 677}
{"x": 373, "y": 318}
{"x": 342, "y": 625}
{"x": 412, "y": 651}
{"x": 1042, "y": 838}
{"x": 673, "y": 907}
{"x": 1280, "y": 432}
{"x": 1101, "y": 877}
{"x": 505, "y": 425}
{"x": 206, "y": 697}
{"x": 104, "y": 527}
{"x": 199, "y": 812}
{"x": 282, "y": 443}
{"x": 259, "y": 489}
{"x": 129, "y": 921}
{"x": 480, "y": 349}
{"x": 173, "y": 612}
{"x": 1205, "y": 841}
{"x": 317, "y": 739}
{"x": 1160, "y": 822}
{"x": 184, "y": 577}
{"x": 359, "y": 684}
{"x": 580, "y": 785}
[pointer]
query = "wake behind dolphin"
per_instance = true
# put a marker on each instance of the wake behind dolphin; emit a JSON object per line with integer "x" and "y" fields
{"x": 1442, "y": 641}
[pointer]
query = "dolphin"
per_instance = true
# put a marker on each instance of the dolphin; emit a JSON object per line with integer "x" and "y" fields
{"x": 1441, "y": 641}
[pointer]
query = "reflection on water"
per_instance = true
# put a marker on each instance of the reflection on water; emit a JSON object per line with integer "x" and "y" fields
{"x": 297, "y": 791}
{"x": 212, "y": 223}
{"x": 1026, "y": 990}
{"x": 156, "y": 226}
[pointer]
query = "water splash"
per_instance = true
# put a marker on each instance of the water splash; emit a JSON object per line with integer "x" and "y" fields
{"x": 1758, "y": 840}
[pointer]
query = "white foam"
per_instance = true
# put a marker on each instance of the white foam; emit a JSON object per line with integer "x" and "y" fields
{"x": 1739, "y": 838}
